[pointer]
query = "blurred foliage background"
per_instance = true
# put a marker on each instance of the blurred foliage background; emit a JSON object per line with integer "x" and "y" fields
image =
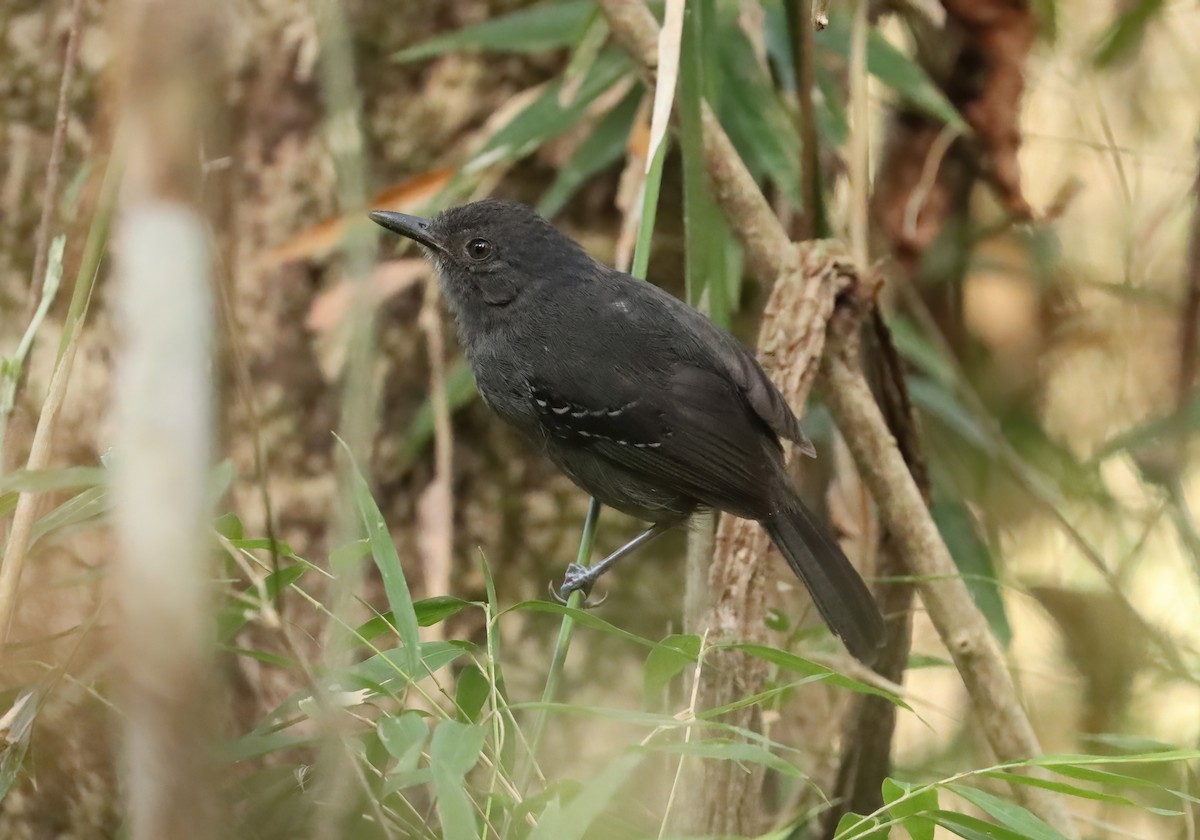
{"x": 1042, "y": 283}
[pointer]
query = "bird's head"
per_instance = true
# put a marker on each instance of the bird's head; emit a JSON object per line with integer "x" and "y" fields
{"x": 491, "y": 253}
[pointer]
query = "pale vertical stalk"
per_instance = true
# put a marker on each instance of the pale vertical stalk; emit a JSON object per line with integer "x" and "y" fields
{"x": 860, "y": 134}
{"x": 163, "y": 414}
{"x": 162, "y": 411}
{"x": 344, "y": 135}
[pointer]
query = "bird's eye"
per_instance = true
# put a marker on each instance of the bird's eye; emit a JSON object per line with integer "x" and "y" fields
{"x": 479, "y": 249}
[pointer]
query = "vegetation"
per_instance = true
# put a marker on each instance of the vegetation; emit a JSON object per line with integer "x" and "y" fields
{"x": 375, "y": 657}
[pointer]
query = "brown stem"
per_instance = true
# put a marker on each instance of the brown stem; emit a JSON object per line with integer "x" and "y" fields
{"x": 54, "y": 165}
{"x": 904, "y": 513}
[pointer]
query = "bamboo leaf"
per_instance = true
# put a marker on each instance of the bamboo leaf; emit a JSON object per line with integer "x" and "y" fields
{"x": 571, "y": 821}
{"x": 973, "y": 559}
{"x": 539, "y": 28}
{"x": 893, "y": 68}
{"x": 454, "y": 750}
{"x": 1010, "y": 814}
{"x": 603, "y": 147}
{"x": 460, "y": 391}
{"x": 1125, "y": 34}
{"x": 383, "y": 550}
{"x": 547, "y": 116}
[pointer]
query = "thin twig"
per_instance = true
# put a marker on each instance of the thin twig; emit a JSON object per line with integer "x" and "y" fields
{"x": 27, "y": 504}
{"x": 356, "y": 425}
{"x": 54, "y": 164}
{"x": 860, "y": 133}
{"x": 800, "y": 19}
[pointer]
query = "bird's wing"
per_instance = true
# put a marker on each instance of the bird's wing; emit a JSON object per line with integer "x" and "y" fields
{"x": 762, "y": 395}
{"x": 688, "y": 428}
{"x": 733, "y": 356}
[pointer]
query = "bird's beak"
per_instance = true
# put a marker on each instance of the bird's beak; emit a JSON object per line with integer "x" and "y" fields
{"x": 412, "y": 227}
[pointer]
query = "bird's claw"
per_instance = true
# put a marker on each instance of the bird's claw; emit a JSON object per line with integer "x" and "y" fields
{"x": 576, "y": 578}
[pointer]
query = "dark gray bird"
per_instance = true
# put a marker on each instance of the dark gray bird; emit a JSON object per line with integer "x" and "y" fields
{"x": 640, "y": 399}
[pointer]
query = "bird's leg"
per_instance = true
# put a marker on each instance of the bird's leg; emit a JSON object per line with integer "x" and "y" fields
{"x": 582, "y": 577}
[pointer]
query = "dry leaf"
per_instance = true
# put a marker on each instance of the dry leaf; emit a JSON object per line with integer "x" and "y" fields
{"x": 320, "y": 239}
{"x": 388, "y": 279}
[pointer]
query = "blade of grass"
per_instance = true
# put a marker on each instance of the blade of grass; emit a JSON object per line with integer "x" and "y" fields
{"x": 383, "y": 550}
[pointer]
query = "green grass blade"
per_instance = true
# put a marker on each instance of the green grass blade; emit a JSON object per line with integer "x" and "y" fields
{"x": 454, "y": 750}
{"x": 546, "y": 26}
{"x": 383, "y": 550}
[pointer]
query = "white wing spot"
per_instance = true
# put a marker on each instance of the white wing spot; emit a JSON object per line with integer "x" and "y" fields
{"x": 562, "y": 410}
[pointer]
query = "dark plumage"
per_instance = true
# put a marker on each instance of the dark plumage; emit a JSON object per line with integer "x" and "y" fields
{"x": 639, "y": 398}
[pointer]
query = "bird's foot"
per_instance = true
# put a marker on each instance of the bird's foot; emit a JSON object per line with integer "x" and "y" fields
{"x": 578, "y": 577}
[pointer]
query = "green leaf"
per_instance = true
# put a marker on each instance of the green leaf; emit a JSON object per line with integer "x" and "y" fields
{"x": 752, "y": 111}
{"x": 1151, "y": 432}
{"x": 460, "y": 390}
{"x": 1010, "y": 814}
{"x": 911, "y": 805}
{"x": 263, "y": 544}
{"x": 892, "y": 67}
{"x": 582, "y": 618}
{"x": 15, "y": 742}
{"x": 729, "y": 750}
{"x": 860, "y": 828}
{"x": 662, "y": 664}
{"x": 392, "y": 668}
{"x": 1125, "y": 34}
{"x": 383, "y": 550}
{"x": 571, "y": 821}
{"x": 973, "y": 828}
{"x": 804, "y": 666}
{"x": 453, "y": 751}
{"x": 229, "y": 525}
{"x": 944, "y": 406}
{"x": 257, "y": 744}
{"x": 403, "y": 736}
{"x": 1061, "y": 787}
{"x": 494, "y": 643}
{"x": 602, "y": 148}
{"x": 47, "y": 481}
{"x": 472, "y": 692}
{"x": 241, "y": 609}
{"x": 916, "y": 348}
{"x": 547, "y": 116}
{"x": 86, "y": 506}
{"x": 706, "y": 235}
{"x": 437, "y": 609}
{"x": 973, "y": 559}
{"x": 546, "y": 26}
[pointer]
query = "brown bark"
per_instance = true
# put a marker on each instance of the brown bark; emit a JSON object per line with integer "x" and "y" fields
{"x": 723, "y": 797}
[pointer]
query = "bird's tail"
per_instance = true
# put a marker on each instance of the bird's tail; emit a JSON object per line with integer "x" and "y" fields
{"x": 840, "y": 594}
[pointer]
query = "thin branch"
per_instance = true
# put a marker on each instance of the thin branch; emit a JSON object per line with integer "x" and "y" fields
{"x": 860, "y": 134}
{"x": 27, "y": 503}
{"x": 903, "y": 511}
{"x": 54, "y": 164}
